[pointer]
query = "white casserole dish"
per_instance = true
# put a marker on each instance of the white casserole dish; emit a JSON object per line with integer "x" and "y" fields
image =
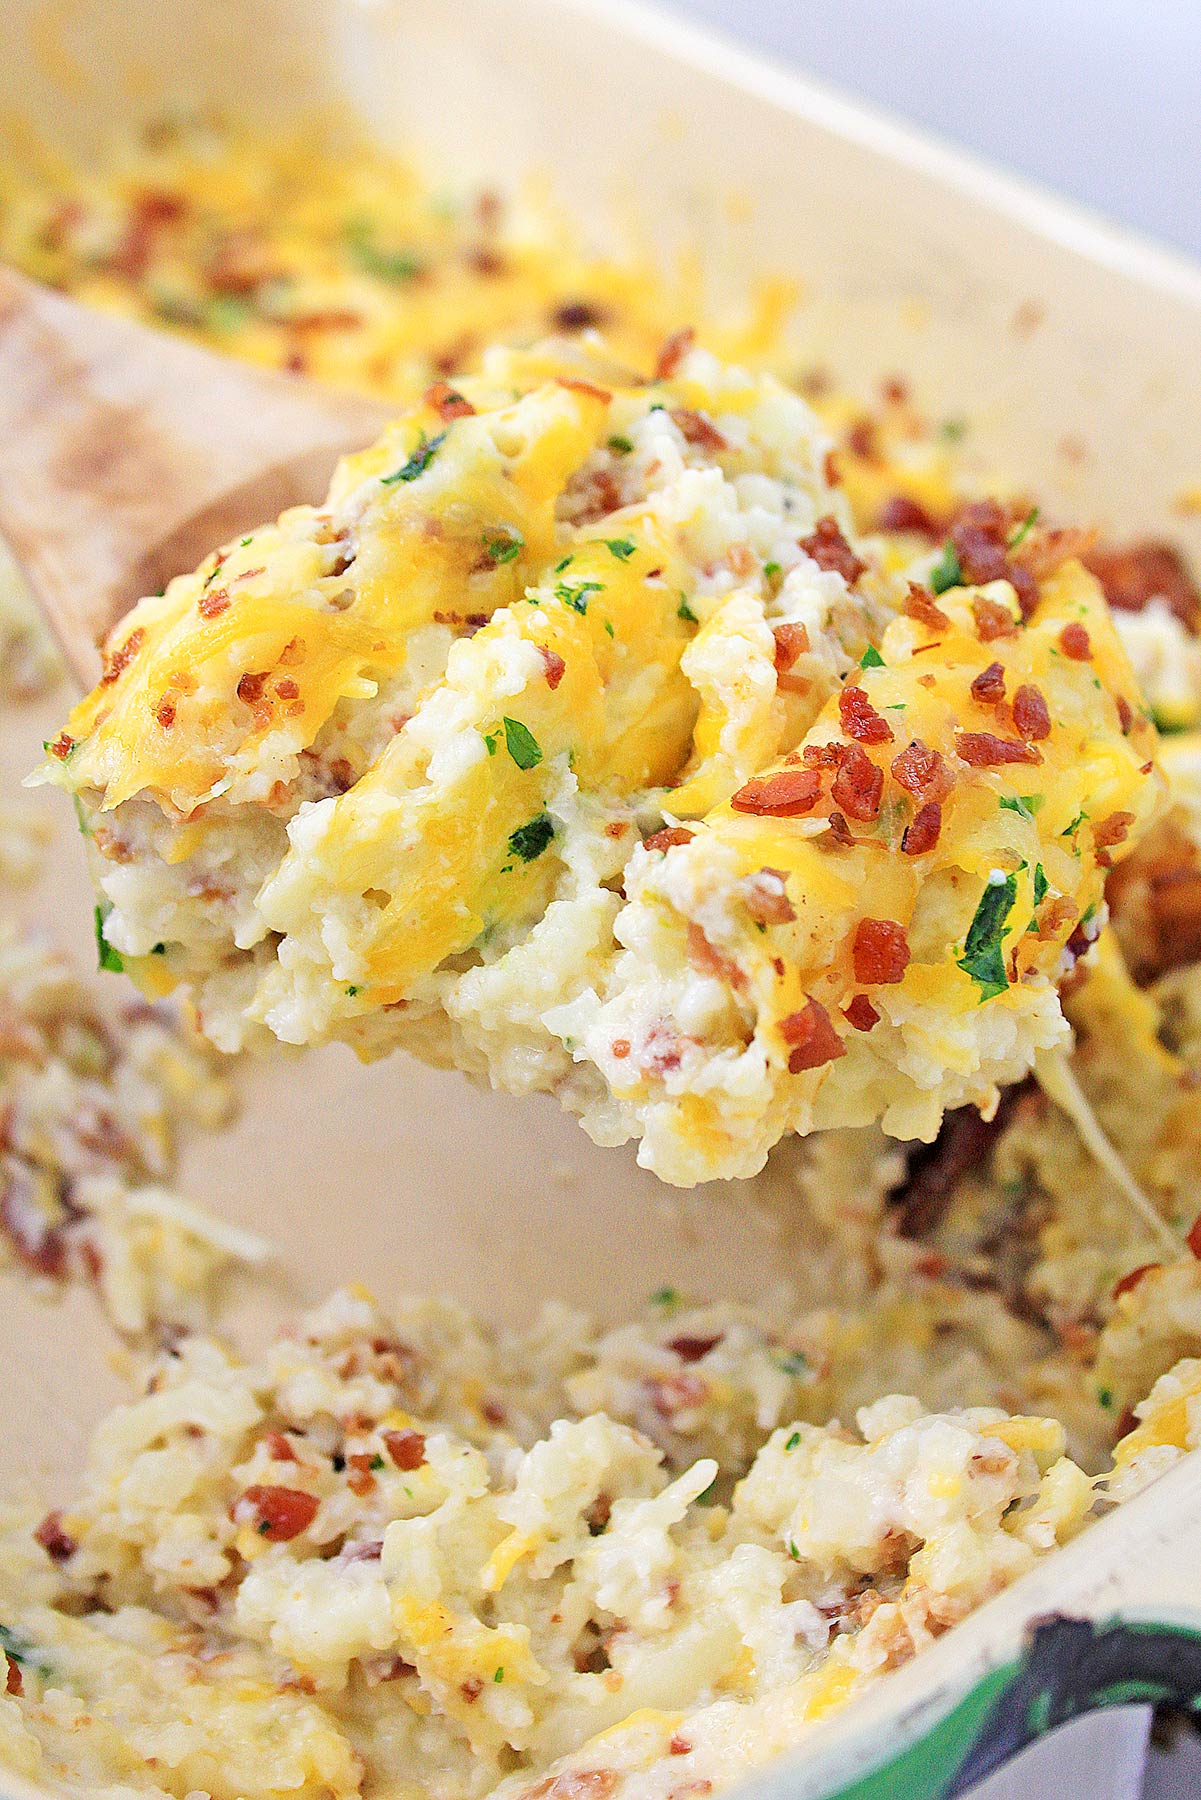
{"x": 913, "y": 259}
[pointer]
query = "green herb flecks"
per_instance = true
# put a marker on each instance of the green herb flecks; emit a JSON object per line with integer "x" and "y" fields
{"x": 685, "y": 612}
{"x": 793, "y": 1362}
{"x": 947, "y": 571}
{"x": 621, "y": 548}
{"x": 771, "y": 570}
{"x": 1024, "y": 805}
{"x": 983, "y": 954}
{"x": 575, "y": 593}
{"x": 620, "y": 446}
{"x": 793, "y": 1441}
{"x": 1073, "y": 828}
{"x": 667, "y": 1298}
{"x": 418, "y": 463}
{"x": 107, "y": 958}
{"x": 953, "y": 431}
{"x": 503, "y": 545}
{"x": 81, "y": 817}
{"x": 500, "y": 1674}
{"x": 521, "y": 744}
{"x": 793, "y": 1551}
{"x": 1041, "y": 885}
{"x": 871, "y": 658}
{"x": 530, "y": 840}
{"x": 1023, "y": 531}
{"x": 394, "y": 266}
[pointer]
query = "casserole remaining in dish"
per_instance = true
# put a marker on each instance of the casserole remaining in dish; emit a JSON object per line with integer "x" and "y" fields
{"x": 399, "y": 1553}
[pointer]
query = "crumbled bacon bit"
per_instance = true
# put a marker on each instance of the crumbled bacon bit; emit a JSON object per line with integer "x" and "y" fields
{"x": 861, "y": 439}
{"x": 980, "y": 534}
{"x": 250, "y": 687}
{"x": 923, "y": 831}
{"x": 811, "y": 1038}
{"x": 992, "y": 620}
{"x": 901, "y": 513}
{"x": 577, "y": 315}
{"x": 765, "y": 897}
{"x": 213, "y": 602}
{"x": 830, "y": 550}
{"x": 988, "y": 689}
{"x": 1031, "y": 714}
{"x": 692, "y": 1349}
{"x": 1132, "y": 575}
{"x": 405, "y": 1448}
{"x": 673, "y": 353}
{"x": 361, "y": 1480}
{"x": 471, "y": 1689}
{"x": 287, "y": 688}
{"x": 1044, "y": 552}
{"x": 823, "y": 756}
{"x": 583, "y": 1784}
{"x": 57, "y": 1542}
{"x": 1113, "y": 830}
{"x": 62, "y": 746}
{"x": 679, "y": 1746}
{"x": 1125, "y": 714}
{"x": 1075, "y": 642}
{"x": 1193, "y": 1237}
{"x": 278, "y": 1447}
{"x": 983, "y": 750}
{"x": 840, "y": 831}
{"x": 668, "y": 837}
{"x": 13, "y": 1684}
{"x": 447, "y": 402}
{"x": 279, "y": 1513}
{"x": 919, "y": 605}
{"x": 554, "y": 666}
{"x": 785, "y": 795}
{"x": 117, "y": 661}
{"x": 860, "y": 719}
{"x": 584, "y": 387}
{"x": 1131, "y": 1279}
{"x": 696, "y": 429}
{"x": 791, "y": 641}
{"x": 710, "y": 959}
{"x": 880, "y": 952}
{"x": 620, "y": 1048}
{"x": 860, "y": 1013}
{"x": 858, "y": 785}
{"x": 164, "y": 712}
{"x": 672, "y": 1394}
{"x": 922, "y": 772}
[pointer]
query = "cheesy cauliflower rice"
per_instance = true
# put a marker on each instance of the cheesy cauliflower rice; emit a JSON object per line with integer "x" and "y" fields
{"x": 400, "y": 1553}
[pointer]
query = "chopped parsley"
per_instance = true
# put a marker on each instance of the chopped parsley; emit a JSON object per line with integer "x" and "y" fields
{"x": 771, "y": 570}
{"x": 793, "y": 1441}
{"x": 668, "y": 1298}
{"x": 1041, "y": 884}
{"x": 352, "y": 991}
{"x": 504, "y": 545}
{"x": 621, "y": 548}
{"x": 245, "y": 541}
{"x": 575, "y": 593}
{"x": 685, "y": 612}
{"x": 1105, "y": 1397}
{"x": 609, "y": 628}
{"x": 1023, "y": 531}
{"x": 530, "y": 840}
{"x": 793, "y": 1362}
{"x": 947, "y": 571}
{"x": 521, "y": 744}
{"x": 793, "y": 1551}
{"x": 19, "y": 1649}
{"x": 490, "y": 738}
{"x": 871, "y": 658}
{"x": 500, "y": 1674}
{"x": 383, "y": 265}
{"x": 1025, "y": 805}
{"x": 107, "y": 958}
{"x": 983, "y": 956}
{"x": 1073, "y": 828}
{"x": 376, "y": 1463}
{"x": 953, "y": 431}
{"x": 621, "y": 446}
{"x": 418, "y": 463}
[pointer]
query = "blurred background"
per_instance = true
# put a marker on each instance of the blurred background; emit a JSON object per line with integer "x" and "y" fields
{"x": 1100, "y": 99}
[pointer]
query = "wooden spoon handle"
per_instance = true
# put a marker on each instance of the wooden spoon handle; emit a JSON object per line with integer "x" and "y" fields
{"x": 126, "y": 455}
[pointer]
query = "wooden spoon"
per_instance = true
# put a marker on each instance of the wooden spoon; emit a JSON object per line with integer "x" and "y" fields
{"x": 126, "y": 455}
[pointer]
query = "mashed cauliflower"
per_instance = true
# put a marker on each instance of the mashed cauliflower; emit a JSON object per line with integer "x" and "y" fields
{"x": 578, "y": 741}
